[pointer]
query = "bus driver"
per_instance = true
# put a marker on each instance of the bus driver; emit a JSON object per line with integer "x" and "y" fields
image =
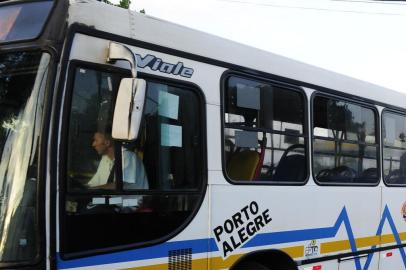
{"x": 134, "y": 176}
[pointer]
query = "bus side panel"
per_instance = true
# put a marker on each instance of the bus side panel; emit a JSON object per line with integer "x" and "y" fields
{"x": 305, "y": 222}
{"x": 391, "y": 259}
{"x": 393, "y": 228}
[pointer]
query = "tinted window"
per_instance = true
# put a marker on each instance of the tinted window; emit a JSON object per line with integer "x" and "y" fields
{"x": 130, "y": 192}
{"x": 345, "y": 148}
{"x": 23, "y": 78}
{"x": 264, "y": 132}
{"x": 394, "y": 148}
{"x": 23, "y": 21}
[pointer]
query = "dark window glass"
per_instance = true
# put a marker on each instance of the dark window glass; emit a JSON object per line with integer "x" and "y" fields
{"x": 130, "y": 192}
{"x": 23, "y": 21}
{"x": 23, "y": 77}
{"x": 394, "y": 148}
{"x": 345, "y": 148}
{"x": 264, "y": 132}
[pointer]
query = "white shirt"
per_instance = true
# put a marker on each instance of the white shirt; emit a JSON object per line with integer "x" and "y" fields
{"x": 134, "y": 176}
{"x": 103, "y": 171}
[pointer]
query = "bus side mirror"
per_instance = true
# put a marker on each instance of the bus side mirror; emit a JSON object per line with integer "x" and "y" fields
{"x": 129, "y": 109}
{"x": 130, "y": 98}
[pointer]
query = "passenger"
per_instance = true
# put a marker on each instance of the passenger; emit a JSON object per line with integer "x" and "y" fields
{"x": 134, "y": 176}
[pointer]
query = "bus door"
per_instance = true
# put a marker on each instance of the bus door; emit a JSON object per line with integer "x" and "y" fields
{"x": 133, "y": 163}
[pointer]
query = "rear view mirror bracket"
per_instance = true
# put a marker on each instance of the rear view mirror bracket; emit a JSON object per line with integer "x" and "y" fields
{"x": 130, "y": 98}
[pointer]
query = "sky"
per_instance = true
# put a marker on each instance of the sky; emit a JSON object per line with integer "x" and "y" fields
{"x": 362, "y": 39}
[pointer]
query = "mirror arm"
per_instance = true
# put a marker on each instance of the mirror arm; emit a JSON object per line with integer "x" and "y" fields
{"x": 118, "y": 51}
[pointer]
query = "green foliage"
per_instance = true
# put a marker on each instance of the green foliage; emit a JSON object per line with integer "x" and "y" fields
{"x": 123, "y": 3}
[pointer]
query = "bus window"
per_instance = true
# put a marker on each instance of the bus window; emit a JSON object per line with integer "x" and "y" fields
{"x": 345, "y": 147}
{"x": 264, "y": 134}
{"x": 23, "y": 77}
{"x": 127, "y": 193}
{"x": 394, "y": 148}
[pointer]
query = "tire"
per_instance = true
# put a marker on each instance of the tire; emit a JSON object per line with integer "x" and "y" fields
{"x": 250, "y": 265}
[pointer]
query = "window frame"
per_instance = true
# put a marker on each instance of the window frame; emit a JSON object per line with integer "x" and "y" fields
{"x": 63, "y": 158}
{"x": 354, "y": 100}
{"x": 305, "y": 134}
{"x": 400, "y": 113}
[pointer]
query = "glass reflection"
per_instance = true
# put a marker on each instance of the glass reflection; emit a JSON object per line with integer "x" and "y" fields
{"x": 23, "y": 79}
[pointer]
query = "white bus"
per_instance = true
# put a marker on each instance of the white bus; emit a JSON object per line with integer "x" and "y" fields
{"x": 127, "y": 142}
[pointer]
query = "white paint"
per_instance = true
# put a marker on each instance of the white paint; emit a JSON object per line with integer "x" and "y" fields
{"x": 362, "y": 39}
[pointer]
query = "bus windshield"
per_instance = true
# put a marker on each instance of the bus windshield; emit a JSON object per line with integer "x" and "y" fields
{"x": 23, "y": 77}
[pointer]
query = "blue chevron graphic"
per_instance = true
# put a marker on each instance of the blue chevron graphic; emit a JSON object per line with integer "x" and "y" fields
{"x": 387, "y": 216}
{"x": 262, "y": 239}
{"x": 329, "y": 232}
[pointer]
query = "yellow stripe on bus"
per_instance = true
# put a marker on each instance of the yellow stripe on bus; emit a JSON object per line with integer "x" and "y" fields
{"x": 334, "y": 246}
{"x": 218, "y": 263}
{"x": 341, "y": 245}
{"x": 294, "y": 252}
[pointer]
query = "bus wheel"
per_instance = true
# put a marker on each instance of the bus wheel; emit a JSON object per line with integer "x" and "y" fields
{"x": 250, "y": 265}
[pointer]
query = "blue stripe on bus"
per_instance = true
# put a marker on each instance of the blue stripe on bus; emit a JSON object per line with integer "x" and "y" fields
{"x": 208, "y": 245}
{"x": 302, "y": 235}
{"x": 154, "y": 252}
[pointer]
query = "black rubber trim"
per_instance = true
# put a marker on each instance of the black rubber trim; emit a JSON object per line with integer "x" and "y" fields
{"x": 385, "y": 110}
{"x": 377, "y": 125}
{"x": 295, "y": 88}
{"x": 63, "y": 156}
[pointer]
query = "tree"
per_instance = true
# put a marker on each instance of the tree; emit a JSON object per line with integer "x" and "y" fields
{"x": 123, "y": 3}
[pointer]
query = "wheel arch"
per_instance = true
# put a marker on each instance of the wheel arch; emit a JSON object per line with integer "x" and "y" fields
{"x": 270, "y": 258}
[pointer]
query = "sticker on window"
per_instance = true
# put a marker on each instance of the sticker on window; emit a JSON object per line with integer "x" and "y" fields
{"x": 98, "y": 200}
{"x": 390, "y": 129}
{"x": 248, "y": 97}
{"x": 171, "y": 135}
{"x": 115, "y": 200}
{"x": 168, "y": 105}
{"x": 130, "y": 202}
{"x": 246, "y": 139}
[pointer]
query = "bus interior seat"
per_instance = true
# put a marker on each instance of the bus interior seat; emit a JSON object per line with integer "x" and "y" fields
{"x": 340, "y": 174}
{"x": 395, "y": 177}
{"x": 369, "y": 175}
{"x": 291, "y": 168}
{"x": 243, "y": 165}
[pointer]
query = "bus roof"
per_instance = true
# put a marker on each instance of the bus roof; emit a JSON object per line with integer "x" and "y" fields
{"x": 145, "y": 28}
